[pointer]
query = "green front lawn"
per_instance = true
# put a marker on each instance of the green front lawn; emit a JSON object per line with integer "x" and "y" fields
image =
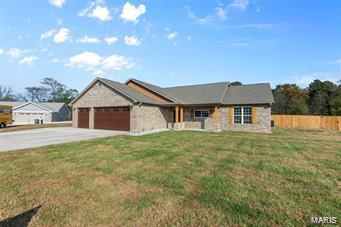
{"x": 178, "y": 178}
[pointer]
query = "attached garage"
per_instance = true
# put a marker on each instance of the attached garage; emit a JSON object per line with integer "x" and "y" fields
{"x": 83, "y": 117}
{"x": 112, "y": 118}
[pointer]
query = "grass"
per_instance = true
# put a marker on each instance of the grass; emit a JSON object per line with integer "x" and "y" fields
{"x": 178, "y": 178}
{"x": 27, "y": 127}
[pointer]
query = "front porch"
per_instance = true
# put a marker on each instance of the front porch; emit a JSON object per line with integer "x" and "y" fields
{"x": 196, "y": 117}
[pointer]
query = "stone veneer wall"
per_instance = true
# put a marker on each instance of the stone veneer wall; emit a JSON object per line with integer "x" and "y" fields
{"x": 99, "y": 95}
{"x": 263, "y": 123}
{"x": 199, "y": 123}
{"x": 263, "y": 120}
{"x": 148, "y": 117}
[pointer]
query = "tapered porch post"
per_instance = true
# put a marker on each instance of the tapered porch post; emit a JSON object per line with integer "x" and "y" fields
{"x": 181, "y": 115}
{"x": 176, "y": 114}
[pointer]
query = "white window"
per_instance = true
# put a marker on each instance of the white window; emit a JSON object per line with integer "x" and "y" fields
{"x": 201, "y": 113}
{"x": 242, "y": 115}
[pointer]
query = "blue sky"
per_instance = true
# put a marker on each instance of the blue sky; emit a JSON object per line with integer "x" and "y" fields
{"x": 170, "y": 42}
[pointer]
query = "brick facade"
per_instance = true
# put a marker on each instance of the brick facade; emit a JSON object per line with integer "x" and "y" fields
{"x": 147, "y": 117}
{"x": 263, "y": 122}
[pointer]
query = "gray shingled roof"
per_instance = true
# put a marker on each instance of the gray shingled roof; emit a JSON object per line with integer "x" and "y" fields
{"x": 52, "y": 106}
{"x": 201, "y": 94}
{"x": 248, "y": 94}
{"x": 198, "y": 94}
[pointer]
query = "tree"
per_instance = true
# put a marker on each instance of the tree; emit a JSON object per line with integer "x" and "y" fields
{"x": 6, "y": 94}
{"x": 234, "y": 83}
{"x": 335, "y": 102}
{"x": 54, "y": 89}
{"x": 319, "y": 96}
{"x": 290, "y": 99}
{"x": 36, "y": 94}
{"x": 67, "y": 96}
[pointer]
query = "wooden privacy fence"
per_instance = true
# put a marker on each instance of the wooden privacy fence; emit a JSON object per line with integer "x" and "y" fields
{"x": 307, "y": 121}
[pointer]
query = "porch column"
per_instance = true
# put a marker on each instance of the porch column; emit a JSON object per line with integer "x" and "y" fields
{"x": 216, "y": 117}
{"x": 176, "y": 114}
{"x": 181, "y": 115}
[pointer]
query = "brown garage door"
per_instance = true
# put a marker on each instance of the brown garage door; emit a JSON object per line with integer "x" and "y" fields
{"x": 83, "y": 117}
{"x": 112, "y": 118}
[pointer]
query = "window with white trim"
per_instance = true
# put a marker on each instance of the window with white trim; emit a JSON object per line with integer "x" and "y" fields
{"x": 201, "y": 113}
{"x": 242, "y": 115}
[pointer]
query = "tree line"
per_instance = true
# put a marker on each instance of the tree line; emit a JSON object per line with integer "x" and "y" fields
{"x": 319, "y": 98}
{"x": 49, "y": 90}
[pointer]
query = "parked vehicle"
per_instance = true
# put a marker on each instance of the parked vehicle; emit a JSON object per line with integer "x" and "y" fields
{"x": 5, "y": 116}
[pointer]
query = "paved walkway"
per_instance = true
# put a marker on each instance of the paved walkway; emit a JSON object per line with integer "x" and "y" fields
{"x": 46, "y": 136}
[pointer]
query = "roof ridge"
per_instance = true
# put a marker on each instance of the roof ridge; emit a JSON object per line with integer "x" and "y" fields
{"x": 225, "y": 82}
{"x": 249, "y": 84}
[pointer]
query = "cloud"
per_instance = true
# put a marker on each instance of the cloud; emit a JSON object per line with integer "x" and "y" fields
{"x": 62, "y": 35}
{"x": 98, "y": 10}
{"x": 305, "y": 80}
{"x": 239, "y": 4}
{"x": 15, "y": 53}
{"x": 1, "y": 51}
{"x": 131, "y": 13}
{"x": 28, "y": 60}
{"x": 111, "y": 40}
{"x": 85, "y": 59}
{"x": 200, "y": 20}
{"x": 221, "y": 13}
{"x": 94, "y": 62}
{"x": 56, "y": 60}
{"x": 172, "y": 36}
{"x": 87, "y": 39}
{"x": 255, "y": 26}
{"x": 116, "y": 62}
{"x": 47, "y": 34}
{"x": 132, "y": 41}
{"x": 57, "y": 3}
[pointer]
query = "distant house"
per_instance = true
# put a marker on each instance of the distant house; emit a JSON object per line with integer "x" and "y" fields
{"x": 28, "y": 112}
{"x": 138, "y": 106}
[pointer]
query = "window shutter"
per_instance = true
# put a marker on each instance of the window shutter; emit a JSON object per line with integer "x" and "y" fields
{"x": 192, "y": 113}
{"x": 254, "y": 115}
{"x": 230, "y": 115}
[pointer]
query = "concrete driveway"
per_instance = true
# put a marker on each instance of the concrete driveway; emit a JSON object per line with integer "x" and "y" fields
{"x": 46, "y": 136}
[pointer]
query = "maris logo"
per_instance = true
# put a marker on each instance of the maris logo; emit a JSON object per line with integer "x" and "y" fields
{"x": 323, "y": 220}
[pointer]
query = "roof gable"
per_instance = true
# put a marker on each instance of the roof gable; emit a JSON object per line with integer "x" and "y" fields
{"x": 123, "y": 89}
{"x": 156, "y": 89}
{"x": 31, "y": 107}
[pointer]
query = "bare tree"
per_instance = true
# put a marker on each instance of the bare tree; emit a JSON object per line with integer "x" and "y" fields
{"x": 6, "y": 94}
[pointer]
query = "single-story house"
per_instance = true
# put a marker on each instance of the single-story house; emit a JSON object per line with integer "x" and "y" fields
{"x": 137, "y": 106}
{"x": 28, "y": 112}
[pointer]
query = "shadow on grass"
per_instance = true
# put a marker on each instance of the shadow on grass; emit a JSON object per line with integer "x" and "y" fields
{"x": 22, "y": 219}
